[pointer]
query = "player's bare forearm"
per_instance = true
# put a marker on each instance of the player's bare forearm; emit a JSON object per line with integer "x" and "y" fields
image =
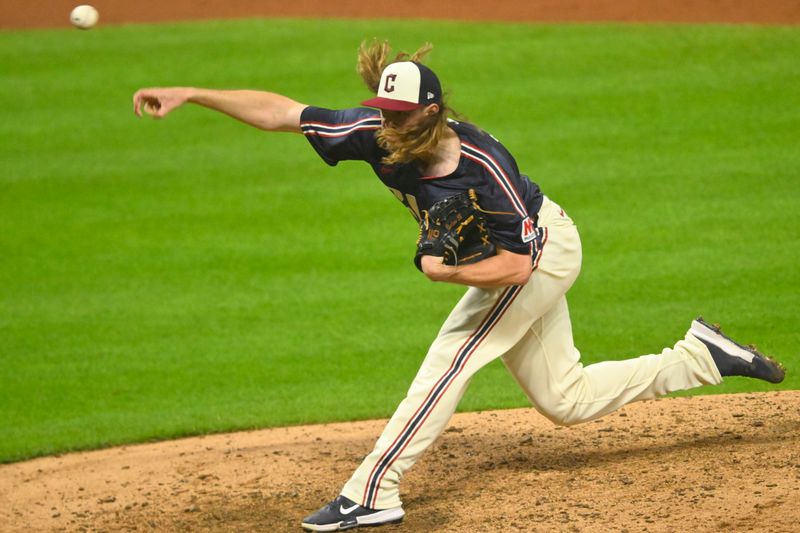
{"x": 264, "y": 110}
{"x": 260, "y": 109}
{"x": 502, "y": 270}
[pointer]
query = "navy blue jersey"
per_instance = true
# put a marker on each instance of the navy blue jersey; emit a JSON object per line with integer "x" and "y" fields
{"x": 510, "y": 199}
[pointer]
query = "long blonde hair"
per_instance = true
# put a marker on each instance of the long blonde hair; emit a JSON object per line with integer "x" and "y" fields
{"x": 405, "y": 144}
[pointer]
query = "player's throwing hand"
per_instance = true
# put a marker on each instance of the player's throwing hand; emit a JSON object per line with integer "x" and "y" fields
{"x": 157, "y": 102}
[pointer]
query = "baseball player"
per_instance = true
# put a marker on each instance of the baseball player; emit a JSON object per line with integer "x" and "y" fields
{"x": 514, "y": 307}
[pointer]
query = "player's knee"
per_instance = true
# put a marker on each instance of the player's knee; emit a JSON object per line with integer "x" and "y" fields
{"x": 563, "y": 412}
{"x": 564, "y": 402}
{"x": 566, "y": 420}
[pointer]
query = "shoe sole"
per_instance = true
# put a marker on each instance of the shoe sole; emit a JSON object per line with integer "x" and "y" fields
{"x": 387, "y": 516}
{"x": 713, "y": 333}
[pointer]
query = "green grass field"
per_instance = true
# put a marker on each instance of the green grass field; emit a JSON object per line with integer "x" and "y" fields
{"x": 193, "y": 275}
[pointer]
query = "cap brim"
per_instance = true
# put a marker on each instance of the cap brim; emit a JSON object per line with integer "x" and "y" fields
{"x": 391, "y": 105}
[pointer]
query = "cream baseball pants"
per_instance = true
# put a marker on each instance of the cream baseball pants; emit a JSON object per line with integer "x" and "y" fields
{"x": 529, "y": 327}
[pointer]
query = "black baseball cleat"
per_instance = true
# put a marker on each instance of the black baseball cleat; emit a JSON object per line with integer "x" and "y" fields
{"x": 733, "y": 359}
{"x": 343, "y": 513}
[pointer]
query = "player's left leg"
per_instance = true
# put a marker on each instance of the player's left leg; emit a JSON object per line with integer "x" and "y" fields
{"x": 473, "y": 335}
{"x": 484, "y": 324}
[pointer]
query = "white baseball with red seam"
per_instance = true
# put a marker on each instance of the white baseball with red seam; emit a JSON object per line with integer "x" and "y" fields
{"x": 84, "y": 17}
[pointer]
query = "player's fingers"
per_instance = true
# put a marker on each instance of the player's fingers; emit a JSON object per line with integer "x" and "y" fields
{"x": 149, "y": 102}
{"x": 141, "y": 100}
{"x": 137, "y": 102}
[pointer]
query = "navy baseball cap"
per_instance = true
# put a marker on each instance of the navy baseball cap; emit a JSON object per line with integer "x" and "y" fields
{"x": 405, "y": 86}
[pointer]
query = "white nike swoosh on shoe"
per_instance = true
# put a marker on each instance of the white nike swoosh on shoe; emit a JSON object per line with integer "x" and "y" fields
{"x": 347, "y": 510}
{"x": 702, "y": 332}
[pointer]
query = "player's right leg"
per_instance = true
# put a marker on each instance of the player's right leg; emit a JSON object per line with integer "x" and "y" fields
{"x": 547, "y": 366}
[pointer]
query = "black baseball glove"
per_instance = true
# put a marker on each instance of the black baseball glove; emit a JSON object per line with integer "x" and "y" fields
{"x": 454, "y": 228}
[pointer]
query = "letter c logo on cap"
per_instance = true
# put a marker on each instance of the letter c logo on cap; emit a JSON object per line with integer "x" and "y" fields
{"x": 390, "y": 78}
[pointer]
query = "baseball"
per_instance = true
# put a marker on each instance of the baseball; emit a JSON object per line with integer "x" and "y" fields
{"x": 84, "y": 17}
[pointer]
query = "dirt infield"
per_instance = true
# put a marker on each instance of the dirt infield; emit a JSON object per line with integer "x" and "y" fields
{"x": 27, "y": 14}
{"x": 720, "y": 463}
{"x": 715, "y": 463}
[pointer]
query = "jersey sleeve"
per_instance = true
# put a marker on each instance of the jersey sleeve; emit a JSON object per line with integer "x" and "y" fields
{"x": 341, "y": 135}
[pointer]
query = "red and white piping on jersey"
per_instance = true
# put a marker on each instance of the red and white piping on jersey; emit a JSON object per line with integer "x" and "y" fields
{"x": 488, "y": 162}
{"x": 322, "y": 129}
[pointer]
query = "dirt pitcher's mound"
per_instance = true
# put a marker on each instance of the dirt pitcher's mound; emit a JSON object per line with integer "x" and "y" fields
{"x": 716, "y": 463}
